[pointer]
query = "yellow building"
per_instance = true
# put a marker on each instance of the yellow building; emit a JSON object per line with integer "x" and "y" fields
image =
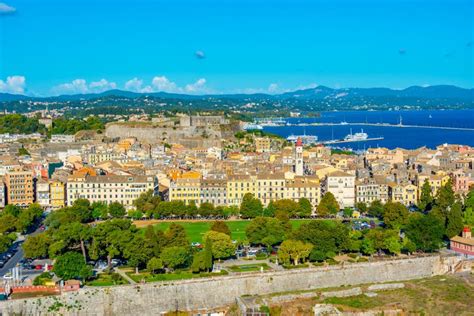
{"x": 238, "y": 186}
{"x": 303, "y": 187}
{"x": 19, "y": 185}
{"x": 435, "y": 181}
{"x": 270, "y": 187}
{"x": 405, "y": 193}
{"x": 263, "y": 144}
{"x": 57, "y": 194}
{"x": 186, "y": 190}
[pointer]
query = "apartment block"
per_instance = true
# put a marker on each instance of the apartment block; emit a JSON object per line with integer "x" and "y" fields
{"x": 111, "y": 188}
{"x": 20, "y": 187}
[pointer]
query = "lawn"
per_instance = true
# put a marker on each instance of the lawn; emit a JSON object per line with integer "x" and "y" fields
{"x": 249, "y": 267}
{"x": 107, "y": 279}
{"x": 196, "y": 229}
{"x": 178, "y": 275}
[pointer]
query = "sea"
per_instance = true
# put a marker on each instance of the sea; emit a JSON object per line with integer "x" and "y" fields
{"x": 393, "y": 136}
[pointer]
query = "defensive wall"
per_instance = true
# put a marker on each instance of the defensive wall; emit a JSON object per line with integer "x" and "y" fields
{"x": 210, "y": 293}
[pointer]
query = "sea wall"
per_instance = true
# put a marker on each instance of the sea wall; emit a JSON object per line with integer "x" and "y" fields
{"x": 209, "y": 293}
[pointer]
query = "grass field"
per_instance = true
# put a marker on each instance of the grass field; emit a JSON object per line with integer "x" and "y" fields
{"x": 107, "y": 279}
{"x": 196, "y": 229}
{"x": 249, "y": 267}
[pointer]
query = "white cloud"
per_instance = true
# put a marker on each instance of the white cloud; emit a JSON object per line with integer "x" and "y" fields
{"x": 163, "y": 84}
{"x": 134, "y": 84}
{"x": 273, "y": 88}
{"x": 13, "y": 84}
{"x": 198, "y": 87}
{"x": 80, "y": 86}
{"x": 6, "y": 9}
{"x": 102, "y": 85}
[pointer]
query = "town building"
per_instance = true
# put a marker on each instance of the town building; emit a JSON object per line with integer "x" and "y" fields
{"x": 62, "y": 138}
{"x": 463, "y": 244}
{"x": 57, "y": 194}
{"x": 43, "y": 193}
{"x": 404, "y": 193}
{"x": 263, "y": 144}
{"x": 20, "y": 187}
{"x": 109, "y": 188}
{"x": 342, "y": 186}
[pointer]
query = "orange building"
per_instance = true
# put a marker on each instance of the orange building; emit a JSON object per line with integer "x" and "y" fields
{"x": 19, "y": 185}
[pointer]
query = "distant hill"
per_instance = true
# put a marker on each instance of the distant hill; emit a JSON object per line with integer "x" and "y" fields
{"x": 318, "y": 93}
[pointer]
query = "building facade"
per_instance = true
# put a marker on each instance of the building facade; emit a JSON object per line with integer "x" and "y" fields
{"x": 108, "y": 189}
{"x": 20, "y": 187}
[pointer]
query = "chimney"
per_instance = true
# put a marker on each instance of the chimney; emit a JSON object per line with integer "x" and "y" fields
{"x": 466, "y": 233}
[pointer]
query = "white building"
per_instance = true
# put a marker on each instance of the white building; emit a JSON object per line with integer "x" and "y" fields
{"x": 342, "y": 186}
{"x": 61, "y": 138}
{"x": 43, "y": 197}
{"x": 108, "y": 189}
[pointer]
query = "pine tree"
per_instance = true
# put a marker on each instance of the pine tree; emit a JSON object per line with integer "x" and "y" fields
{"x": 426, "y": 199}
{"x": 454, "y": 220}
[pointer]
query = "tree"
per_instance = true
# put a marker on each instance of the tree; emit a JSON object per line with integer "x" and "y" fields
{"x": 250, "y": 206}
{"x": 222, "y": 246}
{"x": 147, "y": 202}
{"x": 376, "y": 209}
{"x": 8, "y": 224}
{"x": 135, "y": 252}
{"x": 154, "y": 264}
{"x": 294, "y": 250}
{"x": 221, "y": 226}
{"x": 99, "y": 210}
{"x": 395, "y": 215}
{"x": 425, "y": 231}
{"x": 175, "y": 257}
{"x": 361, "y": 207}
{"x": 286, "y": 206}
{"x": 70, "y": 265}
{"x": 325, "y": 235}
{"x": 455, "y": 220}
{"x": 176, "y": 236}
{"x": 117, "y": 210}
{"x": 328, "y": 205}
{"x": 426, "y": 198}
{"x": 305, "y": 208}
{"x": 469, "y": 216}
{"x": 37, "y": 246}
{"x": 266, "y": 231}
{"x": 86, "y": 272}
{"x": 202, "y": 260}
{"x": 444, "y": 200}
{"x": 206, "y": 209}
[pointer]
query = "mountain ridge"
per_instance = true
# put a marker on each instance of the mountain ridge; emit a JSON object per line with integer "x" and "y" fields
{"x": 319, "y": 92}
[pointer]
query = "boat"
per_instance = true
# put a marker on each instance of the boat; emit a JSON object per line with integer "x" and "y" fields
{"x": 307, "y": 139}
{"x": 252, "y": 126}
{"x": 344, "y": 123}
{"x": 357, "y": 136}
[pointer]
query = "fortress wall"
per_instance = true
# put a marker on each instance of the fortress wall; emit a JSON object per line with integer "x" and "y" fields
{"x": 202, "y": 294}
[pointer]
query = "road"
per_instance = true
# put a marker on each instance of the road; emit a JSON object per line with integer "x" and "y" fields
{"x": 17, "y": 256}
{"x": 12, "y": 262}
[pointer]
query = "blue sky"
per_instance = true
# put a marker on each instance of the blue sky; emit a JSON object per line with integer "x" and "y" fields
{"x": 52, "y": 47}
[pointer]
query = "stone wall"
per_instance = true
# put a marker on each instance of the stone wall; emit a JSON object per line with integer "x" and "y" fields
{"x": 203, "y": 294}
{"x": 192, "y": 136}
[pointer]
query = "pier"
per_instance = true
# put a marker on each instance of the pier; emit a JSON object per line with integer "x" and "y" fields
{"x": 381, "y": 125}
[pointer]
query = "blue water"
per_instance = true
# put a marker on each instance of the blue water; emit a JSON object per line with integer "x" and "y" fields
{"x": 409, "y": 138}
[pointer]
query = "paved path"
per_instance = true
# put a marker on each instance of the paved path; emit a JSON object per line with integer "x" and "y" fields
{"x": 125, "y": 276}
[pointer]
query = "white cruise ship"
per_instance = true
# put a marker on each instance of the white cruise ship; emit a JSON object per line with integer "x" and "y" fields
{"x": 357, "y": 136}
